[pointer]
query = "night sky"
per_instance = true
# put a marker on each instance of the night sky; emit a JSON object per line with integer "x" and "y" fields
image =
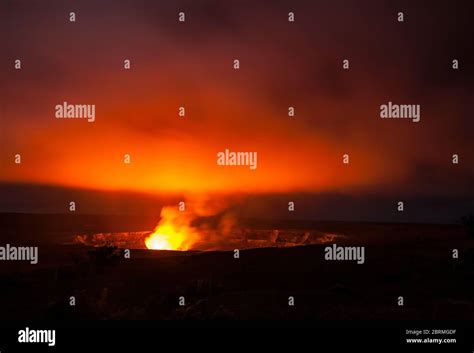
{"x": 282, "y": 64}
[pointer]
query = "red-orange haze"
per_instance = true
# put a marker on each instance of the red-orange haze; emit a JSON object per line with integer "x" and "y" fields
{"x": 191, "y": 65}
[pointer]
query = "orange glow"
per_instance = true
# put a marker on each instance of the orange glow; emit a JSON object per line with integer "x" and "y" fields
{"x": 178, "y": 155}
{"x": 137, "y": 113}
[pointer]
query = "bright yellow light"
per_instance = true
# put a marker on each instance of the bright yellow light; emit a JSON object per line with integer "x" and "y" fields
{"x": 158, "y": 242}
{"x": 167, "y": 237}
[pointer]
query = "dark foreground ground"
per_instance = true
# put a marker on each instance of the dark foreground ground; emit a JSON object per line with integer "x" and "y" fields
{"x": 413, "y": 261}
